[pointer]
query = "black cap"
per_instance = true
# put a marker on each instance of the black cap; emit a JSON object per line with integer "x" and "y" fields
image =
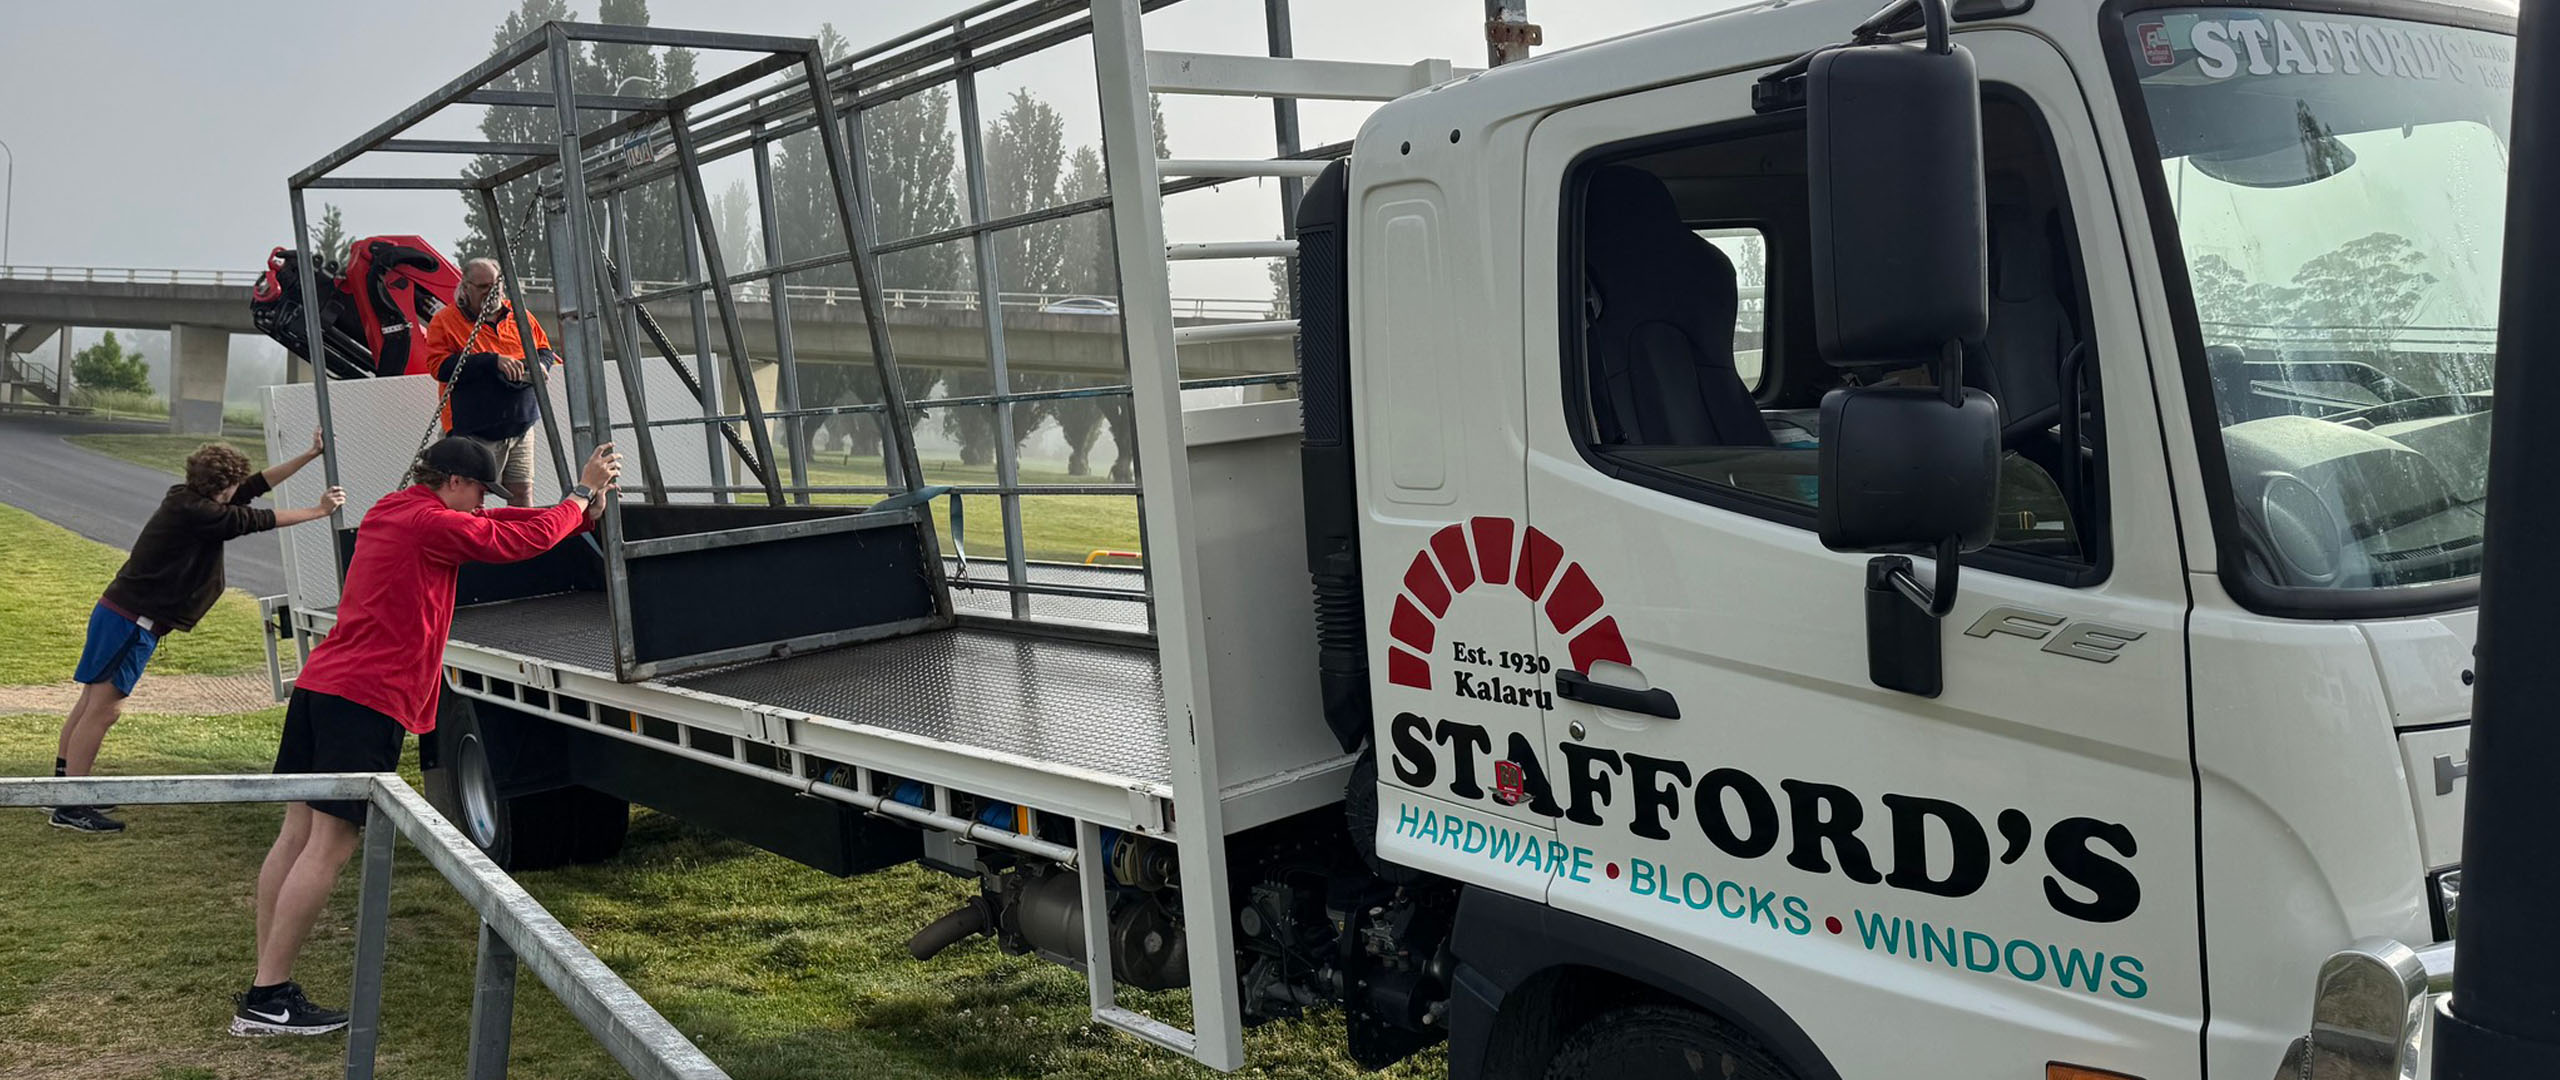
{"x": 454, "y": 455}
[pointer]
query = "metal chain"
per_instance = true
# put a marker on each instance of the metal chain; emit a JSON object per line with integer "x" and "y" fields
{"x": 444, "y": 393}
{"x": 648, "y": 323}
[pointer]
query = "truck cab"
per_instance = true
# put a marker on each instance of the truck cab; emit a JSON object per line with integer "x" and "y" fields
{"x": 2192, "y": 725}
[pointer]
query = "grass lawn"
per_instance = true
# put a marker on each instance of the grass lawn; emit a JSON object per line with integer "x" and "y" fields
{"x": 50, "y": 577}
{"x": 775, "y": 970}
{"x": 167, "y": 453}
{"x": 122, "y": 952}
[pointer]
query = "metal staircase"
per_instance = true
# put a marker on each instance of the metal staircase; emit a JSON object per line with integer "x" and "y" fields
{"x": 24, "y": 380}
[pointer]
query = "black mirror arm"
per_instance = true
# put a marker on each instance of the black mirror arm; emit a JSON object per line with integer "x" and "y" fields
{"x": 1783, "y": 88}
{"x": 1933, "y": 19}
{"x": 1937, "y": 598}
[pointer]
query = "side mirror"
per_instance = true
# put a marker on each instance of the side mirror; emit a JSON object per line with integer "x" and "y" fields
{"x": 1901, "y": 261}
{"x": 1901, "y": 469}
{"x": 1901, "y": 276}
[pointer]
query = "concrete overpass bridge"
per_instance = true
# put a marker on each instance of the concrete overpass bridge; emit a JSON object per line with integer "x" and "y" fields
{"x": 201, "y": 309}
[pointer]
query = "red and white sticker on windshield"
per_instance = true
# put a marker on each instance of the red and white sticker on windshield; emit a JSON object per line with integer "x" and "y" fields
{"x": 2155, "y": 44}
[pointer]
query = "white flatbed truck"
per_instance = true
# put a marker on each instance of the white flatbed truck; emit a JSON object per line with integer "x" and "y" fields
{"x": 1601, "y": 749}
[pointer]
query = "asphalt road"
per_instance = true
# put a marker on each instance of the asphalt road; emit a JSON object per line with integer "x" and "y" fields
{"x": 106, "y": 499}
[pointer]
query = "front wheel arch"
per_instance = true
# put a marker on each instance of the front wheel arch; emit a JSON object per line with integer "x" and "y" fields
{"x": 1529, "y": 976}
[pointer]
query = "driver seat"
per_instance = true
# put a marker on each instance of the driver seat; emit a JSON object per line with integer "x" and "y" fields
{"x": 1659, "y": 309}
{"x": 2032, "y": 326}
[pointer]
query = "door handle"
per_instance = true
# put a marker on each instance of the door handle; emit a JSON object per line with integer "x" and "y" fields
{"x": 1576, "y": 686}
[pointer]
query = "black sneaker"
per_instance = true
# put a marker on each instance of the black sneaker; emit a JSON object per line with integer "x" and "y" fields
{"x": 85, "y": 819}
{"x": 283, "y": 1011}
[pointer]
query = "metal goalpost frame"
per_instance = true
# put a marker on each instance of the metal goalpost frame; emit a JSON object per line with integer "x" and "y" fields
{"x": 580, "y": 277}
{"x": 581, "y": 285}
{"x": 514, "y": 927}
{"x": 960, "y": 47}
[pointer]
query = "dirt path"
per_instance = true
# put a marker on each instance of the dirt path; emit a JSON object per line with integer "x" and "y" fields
{"x": 175, "y": 695}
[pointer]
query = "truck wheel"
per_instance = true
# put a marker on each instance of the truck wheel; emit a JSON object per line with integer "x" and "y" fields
{"x": 518, "y": 832}
{"x": 1655, "y": 1042}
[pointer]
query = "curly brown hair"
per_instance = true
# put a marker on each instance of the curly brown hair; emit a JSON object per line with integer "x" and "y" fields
{"x": 214, "y": 467}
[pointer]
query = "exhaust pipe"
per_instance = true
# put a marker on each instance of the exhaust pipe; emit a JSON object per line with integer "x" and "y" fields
{"x": 969, "y": 920}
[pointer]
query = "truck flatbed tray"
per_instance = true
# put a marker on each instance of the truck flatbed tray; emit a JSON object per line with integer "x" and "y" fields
{"x": 1074, "y": 703}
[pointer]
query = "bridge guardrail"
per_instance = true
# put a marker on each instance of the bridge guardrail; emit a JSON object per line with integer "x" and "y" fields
{"x": 131, "y": 275}
{"x": 962, "y": 299}
{"x": 965, "y": 299}
{"x": 1201, "y": 307}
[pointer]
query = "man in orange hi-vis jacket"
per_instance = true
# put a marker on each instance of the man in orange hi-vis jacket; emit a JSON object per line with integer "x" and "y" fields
{"x": 492, "y": 399}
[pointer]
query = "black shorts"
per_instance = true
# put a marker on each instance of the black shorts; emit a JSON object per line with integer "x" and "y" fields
{"x": 325, "y": 733}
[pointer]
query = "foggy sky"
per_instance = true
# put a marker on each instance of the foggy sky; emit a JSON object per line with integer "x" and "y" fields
{"x": 160, "y": 133}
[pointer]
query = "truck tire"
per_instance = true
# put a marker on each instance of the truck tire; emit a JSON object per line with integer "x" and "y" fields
{"x": 1660, "y": 1042}
{"x": 531, "y": 831}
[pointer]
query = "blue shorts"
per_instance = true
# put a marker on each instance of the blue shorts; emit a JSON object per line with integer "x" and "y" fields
{"x": 116, "y": 650}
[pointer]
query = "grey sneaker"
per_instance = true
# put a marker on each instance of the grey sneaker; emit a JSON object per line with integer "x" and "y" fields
{"x": 85, "y": 819}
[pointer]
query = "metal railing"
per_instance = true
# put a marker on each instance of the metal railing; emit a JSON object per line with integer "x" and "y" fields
{"x": 131, "y": 275}
{"x": 1198, "y": 307}
{"x": 21, "y": 371}
{"x": 513, "y": 926}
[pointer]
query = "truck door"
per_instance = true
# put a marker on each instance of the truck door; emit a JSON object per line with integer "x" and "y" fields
{"x": 1444, "y": 547}
{"x": 1963, "y": 886}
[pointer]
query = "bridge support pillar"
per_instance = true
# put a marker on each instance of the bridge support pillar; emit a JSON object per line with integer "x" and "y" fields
{"x": 199, "y": 361}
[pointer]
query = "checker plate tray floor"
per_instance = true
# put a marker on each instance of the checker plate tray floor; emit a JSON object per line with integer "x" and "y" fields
{"x": 1074, "y": 703}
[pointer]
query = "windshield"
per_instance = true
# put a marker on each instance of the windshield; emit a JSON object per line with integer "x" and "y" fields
{"x": 2340, "y": 188}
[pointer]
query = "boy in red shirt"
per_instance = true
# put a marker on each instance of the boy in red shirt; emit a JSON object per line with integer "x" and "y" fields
{"x": 374, "y": 679}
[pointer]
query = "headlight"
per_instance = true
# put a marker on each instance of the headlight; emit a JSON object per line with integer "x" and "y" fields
{"x": 2444, "y": 891}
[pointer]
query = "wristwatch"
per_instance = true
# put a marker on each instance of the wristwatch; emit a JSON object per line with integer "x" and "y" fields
{"x": 582, "y": 491}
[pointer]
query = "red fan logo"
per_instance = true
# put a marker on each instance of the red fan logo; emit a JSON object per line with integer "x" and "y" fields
{"x": 1496, "y": 552}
